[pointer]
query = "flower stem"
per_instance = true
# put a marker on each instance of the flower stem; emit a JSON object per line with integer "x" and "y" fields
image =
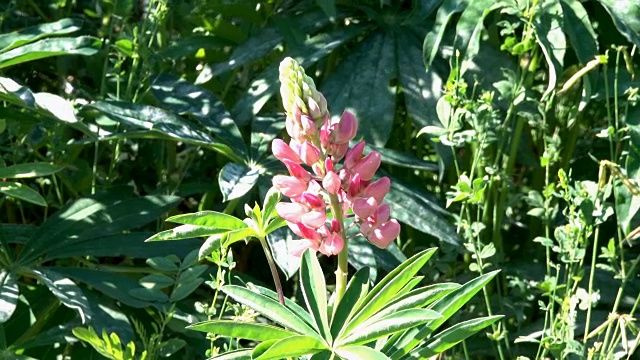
{"x": 343, "y": 256}
{"x": 272, "y": 266}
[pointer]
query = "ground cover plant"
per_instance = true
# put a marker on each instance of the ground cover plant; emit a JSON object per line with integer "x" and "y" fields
{"x": 319, "y": 179}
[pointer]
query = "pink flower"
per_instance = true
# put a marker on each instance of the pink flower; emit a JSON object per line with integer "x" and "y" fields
{"x": 331, "y": 182}
{"x": 297, "y": 171}
{"x": 283, "y": 151}
{"x": 378, "y": 189}
{"x": 289, "y": 186}
{"x": 365, "y": 207}
{"x": 368, "y": 166}
{"x": 354, "y": 155}
{"x": 345, "y": 130}
{"x": 332, "y": 245}
{"x": 385, "y": 234}
{"x": 309, "y": 153}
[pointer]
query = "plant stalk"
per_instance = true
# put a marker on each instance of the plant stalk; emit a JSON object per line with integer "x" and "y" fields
{"x": 272, "y": 267}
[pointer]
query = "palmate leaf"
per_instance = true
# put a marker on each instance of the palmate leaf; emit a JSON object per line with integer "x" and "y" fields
{"x": 290, "y": 304}
{"x": 242, "y": 330}
{"x": 362, "y": 85}
{"x": 212, "y": 219}
{"x": 446, "y": 306}
{"x": 271, "y": 309}
{"x": 243, "y": 354}
{"x": 377, "y": 327}
{"x": 579, "y": 30}
{"x": 548, "y": 24}
{"x": 386, "y": 289}
{"x": 22, "y": 192}
{"x": 29, "y": 170}
{"x": 360, "y": 353}
{"x": 236, "y": 180}
{"x": 289, "y": 347}
{"x": 418, "y": 298}
{"x": 446, "y": 12}
{"x": 626, "y": 17}
{"x": 356, "y": 291}
{"x": 67, "y": 291}
{"x": 186, "y": 232}
{"x": 452, "y": 336}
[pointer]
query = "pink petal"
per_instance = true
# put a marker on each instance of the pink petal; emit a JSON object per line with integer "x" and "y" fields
{"x": 314, "y": 219}
{"x": 331, "y": 182}
{"x": 292, "y": 212}
{"x": 385, "y": 234}
{"x": 283, "y": 151}
{"x": 289, "y": 185}
{"x": 378, "y": 189}
{"x": 364, "y": 207}
{"x": 368, "y": 165}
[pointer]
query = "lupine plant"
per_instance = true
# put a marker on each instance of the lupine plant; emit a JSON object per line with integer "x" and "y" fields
{"x": 331, "y": 189}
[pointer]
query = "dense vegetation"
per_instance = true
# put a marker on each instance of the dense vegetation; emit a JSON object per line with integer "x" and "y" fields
{"x": 509, "y": 130}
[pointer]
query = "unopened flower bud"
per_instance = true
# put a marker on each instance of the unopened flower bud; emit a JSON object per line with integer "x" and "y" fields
{"x": 309, "y": 126}
{"x": 309, "y": 153}
{"x": 368, "y": 165}
{"x": 354, "y": 155}
{"x": 378, "y": 189}
{"x": 314, "y": 201}
{"x": 314, "y": 109}
{"x": 331, "y": 182}
{"x": 345, "y": 130}
{"x": 332, "y": 245}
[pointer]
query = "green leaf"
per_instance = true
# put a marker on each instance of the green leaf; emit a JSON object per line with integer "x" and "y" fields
{"x": 446, "y": 12}
{"x": 66, "y": 291}
{"x": 242, "y": 330}
{"x": 192, "y": 273}
{"x": 156, "y": 281}
{"x": 29, "y": 170}
{"x": 95, "y": 217}
{"x": 238, "y": 235}
{"x": 111, "y": 284}
{"x": 242, "y": 354}
{"x": 360, "y": 353}
{"x": 281, "y": 242}
{"x": 361, "y": 255}
{"x": 420, "y": 210}
{"x": 271, "y": 309}
{"x": 385, "y": 290}
{"x": 291, "y": 305}
{"x": 212, "y": 245}
{"x": 236, "y": 180}
{"x": 418, "y": 298}
{"x": 314, "y": 290}
{"x": 184, "y": 97}
{"x": 548, "y": 24}
{"x": 212, "y": 219}
{"x": 269, "y": 206}
{"x": 353, "y": 296}
{"x": 21, "y": 192}
{"x": 361, "y": 83}
{"x": 274, "y": 225}
{"x": 263, "y": 130}
{"x": 579, "y": 30}
{"x": 289, "y": 347}
{"x": 188, "y": 45}
{"x": 162, "y": 263}
{"x": 626, "y": 17}
{"x": 8, "y": 295}
{"x": 185, "y": 232}
{"x": 470, "y": 25}
{"x": 328, "y": 7}
{"x": 24, "y": 36}
{"x": 403, "y": 159}
{"x": 149, "y": 294}
{"x": 375, "y": 328}
{"x": 452, "y": 336}
{"x": 83, "y": 45}
{"x": 446, "y": 306}
{"x": 184, "y": 289}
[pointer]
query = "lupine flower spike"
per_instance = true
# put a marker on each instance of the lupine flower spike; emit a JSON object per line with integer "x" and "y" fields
{"x": 320, "y": 143}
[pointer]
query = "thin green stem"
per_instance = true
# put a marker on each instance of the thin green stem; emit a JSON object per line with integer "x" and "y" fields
{"x": 272, "y": 267}
{"x": 343, "y": 256}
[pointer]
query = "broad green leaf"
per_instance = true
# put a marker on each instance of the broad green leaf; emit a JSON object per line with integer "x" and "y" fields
{"x": 314, "y": 290}
{"x": 163, "y": 263}
{"x": 66, "y": 291}
{"x": 274, "y": 225}
{"x": 24, "y": 36}
{"x": 29, "y": 170}
{"x": 263, "y": 130}
{"x": 452, "y": 336}
{"x": 402, "y": 159}
{"x": 184, "y": 97}
{"x": 188, "y": 45}
{"x": 149, "y": 294}
{"x": 578, "y": 28}
{"x": 290, "y": 347}
{"x": 238, "y": 235}
{"x": 291, "y": 305}
{"x": 361, "y": 255}
{"x": 269, "y": 206}
{"x": 242, "y": 330}
{"x": 236, "y": 180}
{"x": 235, "y": 355}
{"x": 421, "y": 211}
{"x": 628, "y": 204}
{"x": 446, "y": 12}
{"x": 212, "y": 219}
{"x": 21, "y": 192}
{"x": 184, "y": 289}
{"x": 361, "y": 83}
{"x": 418, "y": 298}
{"x": 156, "y": 281}
{"x": 271, "y": 309}
{"x": 192, "y": 272}
{"x": 470, "y": 25}
{"x": 375, "y": 328}
{"x": 8, "y": 294}
{"x": 281, "y": 243}
{"x": 111, "y": 284}
{"x": 446, "y": 306}
{"x": 360, "y": 353}
{"x": 385, "y": 290}
{"x": 186, "y": 232}
{"x": 626, "y": 17}
{"x": 548, "y": 24}
{"x": 266, "y": 84}
{"x": 212, "y": 245}
{"x": 83, "y": 45}
{"x": 95, "y": 217}
{"x": 355, "y": 293}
